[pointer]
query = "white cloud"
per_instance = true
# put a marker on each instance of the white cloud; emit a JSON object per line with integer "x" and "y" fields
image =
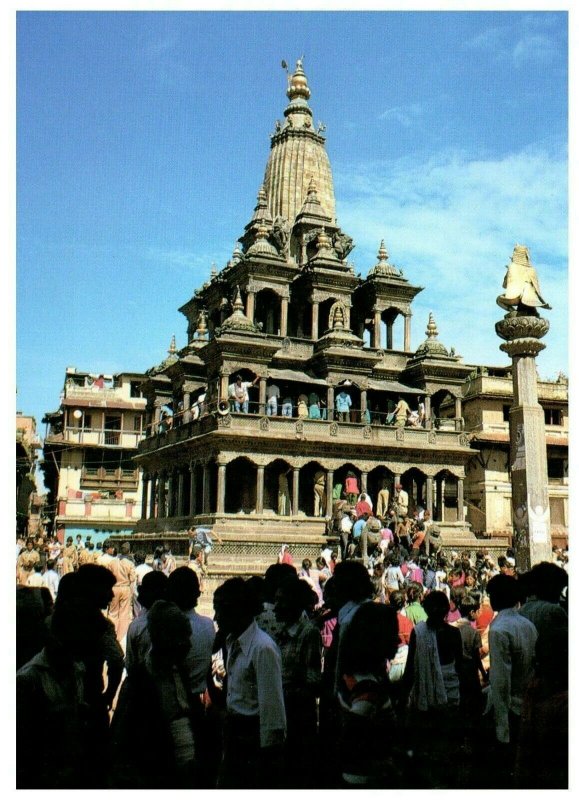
{"x": 534, "y": 47}
{"x": 451, "y": 222}
{"x": 405, "y": 115}
{"x": 530, "y": 39}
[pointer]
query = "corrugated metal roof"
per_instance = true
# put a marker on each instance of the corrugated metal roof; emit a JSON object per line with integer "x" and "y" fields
{"x": 503, "y": 436}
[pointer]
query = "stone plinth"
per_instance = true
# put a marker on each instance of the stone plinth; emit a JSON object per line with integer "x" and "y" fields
{"x": 528, "y": 453}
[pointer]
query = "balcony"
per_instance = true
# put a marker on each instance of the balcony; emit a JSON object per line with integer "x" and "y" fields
{"x": 99, "y": 478}
{"x": 256, "y": 426}
{"x": 99, "y": 437}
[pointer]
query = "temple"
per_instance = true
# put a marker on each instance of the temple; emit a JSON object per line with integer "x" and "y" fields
{"x": 291, "y": 374}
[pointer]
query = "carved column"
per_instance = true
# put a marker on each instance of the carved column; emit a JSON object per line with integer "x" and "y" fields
{"x": 440, "y": 498}
{"x": 407, "y": 318}
{"x": 154, "y": 484}
{"x": 460, "y": 499}
{"x": 427, "y": 412}
{"x": 363, "y": 404}
{"x": 295, "y": 491}
{"x": 192, "y": 490}
{"x": 330, "y": 403}
{"x": 329, "y": 492}
{"x": 364, "y": 482}
{"x": 157, "y": 416}
{"x": 221, "y": 488}
{"x": 170, "y": 506}
{"x": 389, "y": 337}
{"x": 458, "y": 414}
{"x": 377, "y": 343}
{"x": 162, "y": 512}
{"x": 429, "y": 496}
{"x": 223, "y": 387}
{"x": 206, "y": 479}
{"x": 284, "y": 312}
{"x": 145, "y": 491}
{"x": 315, "y": 318}
{"x": 259, "y": 494}
{"x": 250, "y": 305}
{"x": 186, "y": 407}
{"x": 262, "y": 387}
{"x": 180, "y": 485}
{"x": 528, "y": 449}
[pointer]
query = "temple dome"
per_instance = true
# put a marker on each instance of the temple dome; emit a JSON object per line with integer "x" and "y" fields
{"x": 431, "y": 346}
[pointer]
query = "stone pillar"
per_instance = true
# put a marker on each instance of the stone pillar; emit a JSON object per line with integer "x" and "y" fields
{"x": 186, "y": 407}
{"x": 460, "y": 499}
{"x": 156, "y": 416}
{"x": 145, "y": 491}
{"x": 429, "y": 496}
{"x": 396, "y": 482}
{"x": 376, "y": 342}
{"x": 259, "y": 493}
{"x": 407, "y": 318}
{"x": 528, "y": 450}
{"x": 206, "y": 478}
{"x": 329, "y": 492}
{"x": 152, "y": 504}
{"x": 170, "y": 504}
{"x": 192, "y": 490}
{"x": 162, "y": 510}
{"x": 250, "y": 305}
{"x": 364, "y": 482}
{"x": 458, "y": 414}
{"x": 330, "y": 403}
{"x": 427, "y": 412}
{"x": 315, "y": 319}
{"x": 262, "y": 387}
{"x": 295, "y": 491}
{"x": 440, "y": 498}
{"x": 284, "y": 313}
{"x": 389, "y": 337}
{"x": 221, "y": 488}
{"x": 223, "y": 387}
{"x": 180, "y": 483}
{"x": 363, "y": 404}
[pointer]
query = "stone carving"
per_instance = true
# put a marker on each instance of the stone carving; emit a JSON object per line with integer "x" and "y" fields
{"x": 342, "y": 244}
{"x": 334, "y": 429}
{"x": 463, "y": 440}
{"x": 521, "y": 285}
{"x": 224, "y": 422}
{"x": 399, "y": 434}
{"x": 280, "y": 234}
{"x": 299, "y": 427}
{"x": 367, "y": 432}
{"x": 432, "y": 437}
{"x": 264, "y": 424}
{"x": 337, "y": 316}
{"x": 521, "y": 327}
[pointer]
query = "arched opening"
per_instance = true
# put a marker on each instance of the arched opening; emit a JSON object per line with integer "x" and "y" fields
{"x": 445, "y": 497}
{"x": 392, "y": 331}
{"x": 414, "y": 481}
{"x": 299, "y": 321}
{"x": 344, "y": 411}
{"x": 247, "y": 376}
{"x": 306, "y": 502}
{"x": 324, "y": 315}
{"x": 268, "y": 312}
{"x": 340, "y": 477}
{"x": 277, "y": 488}
{"x": 443, "y": 409}
{"x": 240, "y": 486}
{"x": 379, "y": 479}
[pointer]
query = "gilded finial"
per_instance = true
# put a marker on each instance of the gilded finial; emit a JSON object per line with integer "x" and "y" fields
{"x": 238, "y": 302}
{"x": 382, "y": 252}
{"x": 431, "y": 328}
{"x": 173, "y": 346}
{"x": 213, "y": 270}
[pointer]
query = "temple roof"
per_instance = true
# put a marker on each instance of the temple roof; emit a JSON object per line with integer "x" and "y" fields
{"x": 431, "y": 346}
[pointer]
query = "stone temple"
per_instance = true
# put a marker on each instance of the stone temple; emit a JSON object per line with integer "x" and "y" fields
{"x": 289, "y": 315}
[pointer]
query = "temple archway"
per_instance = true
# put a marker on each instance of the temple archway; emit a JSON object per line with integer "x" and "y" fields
{"x": 268, "y": 311}
{"x": 277, "y": 488}
{"x": 306, "y": 502}
{"x": 445, "y": 501}
{"x": 414, "y": 482}
{"x": 240, "y": 486}
{"x": 340, "y": 476}
{"x": 378, "y": 478}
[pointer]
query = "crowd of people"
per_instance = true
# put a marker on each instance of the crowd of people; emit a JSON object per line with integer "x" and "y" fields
{"x": 386, "y": 663}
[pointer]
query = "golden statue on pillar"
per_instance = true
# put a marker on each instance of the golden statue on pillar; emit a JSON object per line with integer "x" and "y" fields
{"x": 521, "y": 284}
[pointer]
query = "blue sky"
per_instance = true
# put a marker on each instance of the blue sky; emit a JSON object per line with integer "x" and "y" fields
{"x": 142, "y": 139}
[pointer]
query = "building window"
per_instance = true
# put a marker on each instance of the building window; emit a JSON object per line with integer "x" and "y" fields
{"x": 555, "y": 468}
{"x": 553, "y": 416}
{"x": 506, "y": 412}
{"x": 138, "y": 423}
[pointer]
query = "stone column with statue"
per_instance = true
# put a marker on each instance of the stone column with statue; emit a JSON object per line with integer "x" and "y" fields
{"x": 521, "y": 328}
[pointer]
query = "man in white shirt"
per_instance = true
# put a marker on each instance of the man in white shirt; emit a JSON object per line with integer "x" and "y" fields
{"x": 255, "y": 725}
{"x": 50, "y": 578}
{"x": 238, "y": 392}
{"x": 272, "y": 393}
